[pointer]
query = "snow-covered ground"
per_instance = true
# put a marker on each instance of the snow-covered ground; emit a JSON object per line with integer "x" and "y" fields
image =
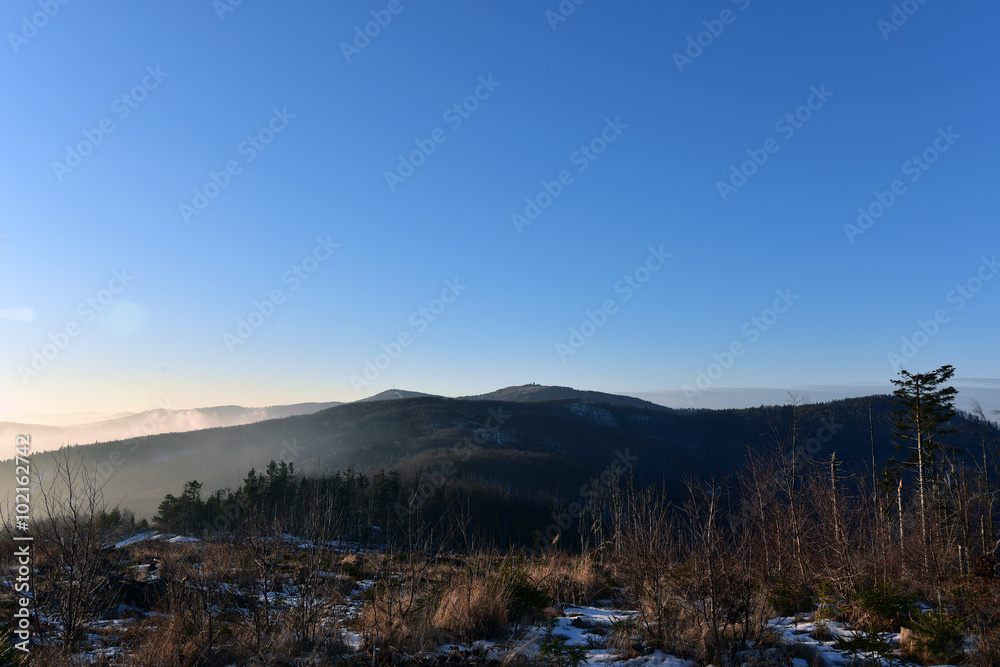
{"x": 581, "y": 630}
{"x": 587, "y": 628}
{"x": 153, "y": 535}
{"x": 800, "y": 630}
{"x": 138, "y": 537}
{"x": 584, "y": 627}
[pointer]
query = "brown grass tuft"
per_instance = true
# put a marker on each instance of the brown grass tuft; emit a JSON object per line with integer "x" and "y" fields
{"x": 572, "y": 580}
{"x": 473, "y": 610}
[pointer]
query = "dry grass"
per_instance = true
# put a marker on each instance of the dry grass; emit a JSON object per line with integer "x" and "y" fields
{"x": 43, "y": 656}
{"x": 383, "y": 627}
{"x": 164, "y": 642}
{"x": 169, "y": 642}
{"x": 416, "y": 606}
{"x": 626, "y": 638}
{"x": 573, "y": 580}
{"x": 473, "y": 609}
{"x": 986, "y": 652}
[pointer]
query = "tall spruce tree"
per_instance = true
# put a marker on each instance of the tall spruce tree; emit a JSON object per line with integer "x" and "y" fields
{"x": 923, "y": 410}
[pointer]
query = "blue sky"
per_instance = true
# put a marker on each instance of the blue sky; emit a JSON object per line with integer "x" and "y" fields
{"x": 203, "y": 85}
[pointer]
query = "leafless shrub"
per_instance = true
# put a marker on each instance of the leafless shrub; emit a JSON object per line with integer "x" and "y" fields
{"x": 72, "y": 525}
{"x": 647, "y": 562}
{"x": 397, "y": 613}
{"x": 986, "y": 645}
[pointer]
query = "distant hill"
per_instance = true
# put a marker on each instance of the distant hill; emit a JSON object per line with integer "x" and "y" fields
{"x": 151, "y": 422}
{"x": 535, "y": 392}
{"x": 66, "y": 418}
{"x": 394, "y": 394}
{"x": 542, "y": 444}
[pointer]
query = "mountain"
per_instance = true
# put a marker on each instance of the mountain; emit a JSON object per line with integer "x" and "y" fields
{"x": 65, "y": 418}
{"x": 151, "y": 422}
{"x": 546, "y": 446}
{"x": 394, "y": 394}
{"x": 535, "y": 392}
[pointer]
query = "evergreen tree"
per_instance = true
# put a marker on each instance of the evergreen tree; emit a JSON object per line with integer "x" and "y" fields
{"x": 923, "y": 411}
{"x": 166, "y": 513}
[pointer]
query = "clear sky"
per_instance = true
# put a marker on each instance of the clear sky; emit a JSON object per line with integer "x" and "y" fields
{"x": 674, "y": 169}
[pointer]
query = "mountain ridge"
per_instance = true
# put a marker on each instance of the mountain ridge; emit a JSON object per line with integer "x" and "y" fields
{"x": 528, "y": 445}
{"x": 152, "y": 422}
{"x": 536, "y": 392}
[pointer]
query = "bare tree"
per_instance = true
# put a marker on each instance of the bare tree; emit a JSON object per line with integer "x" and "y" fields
{"x": 314, "y": 589}
{"x": 72, "y": 527}
{"x": 988, "y": 438}
{"x": 259, "y": 552}
{"x": 646, "y": 553}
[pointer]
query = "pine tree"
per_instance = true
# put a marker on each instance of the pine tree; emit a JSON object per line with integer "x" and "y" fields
{"x": 166, "y": 515}
{"x": 924, "y": 409}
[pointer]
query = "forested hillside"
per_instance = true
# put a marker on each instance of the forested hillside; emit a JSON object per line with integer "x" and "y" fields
{"x": 549, "y": 447}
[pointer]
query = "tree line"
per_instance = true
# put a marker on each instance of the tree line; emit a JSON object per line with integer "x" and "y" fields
{"x": 932, "y": 501}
